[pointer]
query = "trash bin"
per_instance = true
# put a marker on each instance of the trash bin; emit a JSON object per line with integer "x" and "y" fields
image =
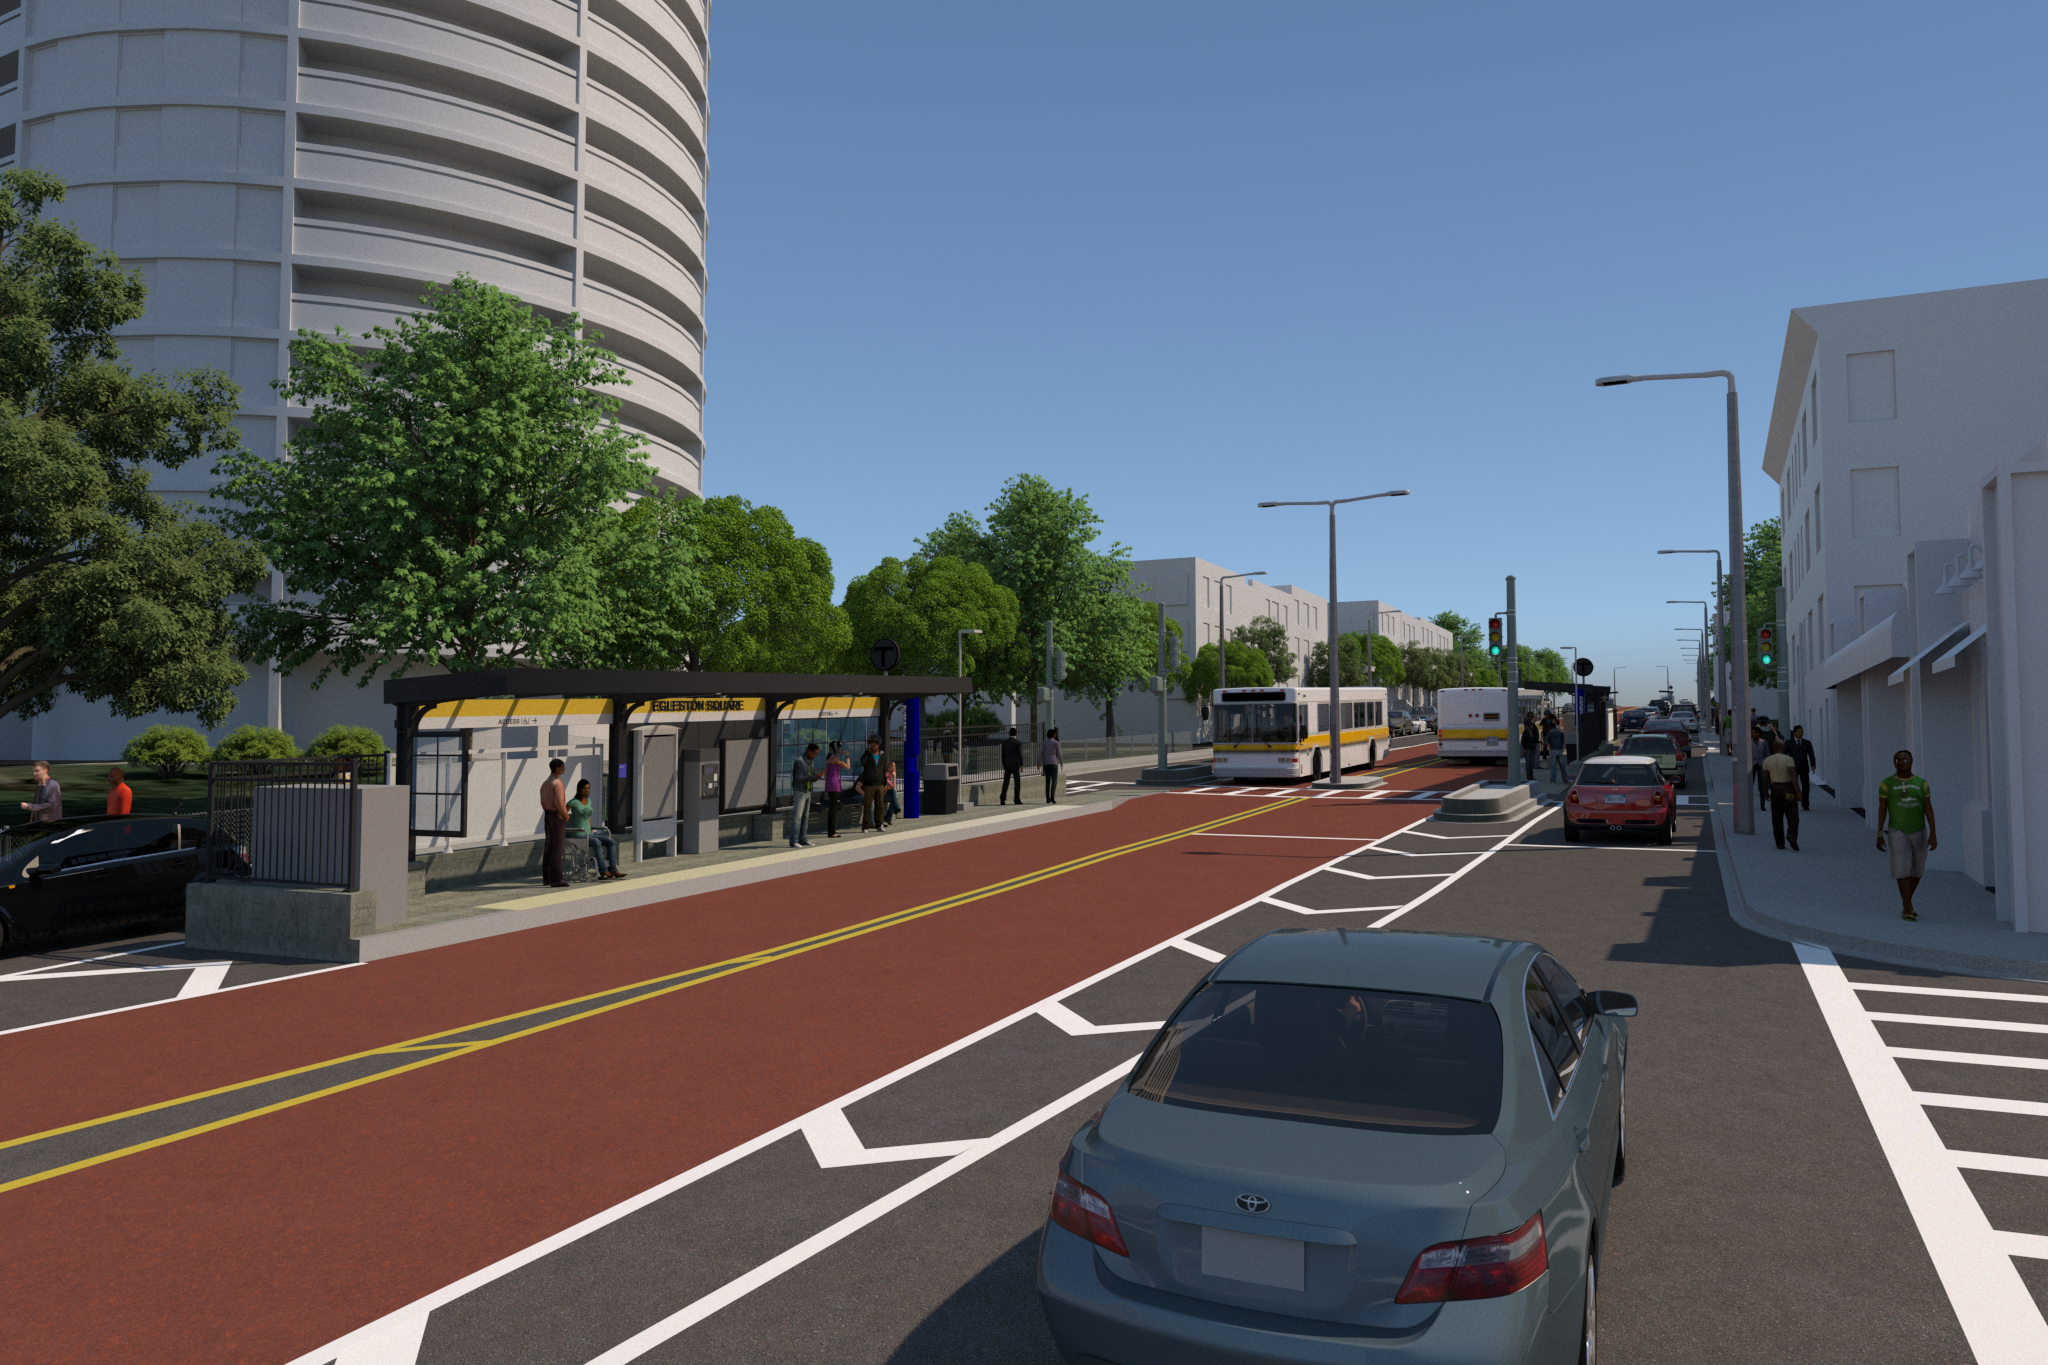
{"x": 942, "y": 789}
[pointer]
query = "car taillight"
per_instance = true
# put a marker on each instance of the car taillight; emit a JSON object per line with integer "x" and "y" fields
{"x": 1657, "y": 797}
{"x": 1085, "y": 1213}
{"x": 1480, "y": 1268}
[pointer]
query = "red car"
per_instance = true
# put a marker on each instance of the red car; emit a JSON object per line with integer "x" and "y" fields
{"x": 1620, "y": 792}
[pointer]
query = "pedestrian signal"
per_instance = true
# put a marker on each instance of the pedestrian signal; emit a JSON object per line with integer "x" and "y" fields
{"x": 1493, "y": 637}
{"x": 1766, "y": 642}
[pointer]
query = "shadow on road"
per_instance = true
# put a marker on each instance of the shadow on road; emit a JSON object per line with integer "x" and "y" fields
{"x": 994, "y": 1319}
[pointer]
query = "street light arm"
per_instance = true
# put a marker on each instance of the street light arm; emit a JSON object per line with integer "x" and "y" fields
{"x": 1339, "y": 502}
{"x": 1613, "y": 380}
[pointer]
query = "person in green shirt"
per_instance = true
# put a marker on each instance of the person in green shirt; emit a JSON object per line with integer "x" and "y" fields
{"x": 1905, "y": 827}
{"x": 602, "y": 846}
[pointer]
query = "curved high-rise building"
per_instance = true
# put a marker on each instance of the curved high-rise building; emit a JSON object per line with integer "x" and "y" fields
{"x": 271, "y": 165}
{"x": 278, "y": 164}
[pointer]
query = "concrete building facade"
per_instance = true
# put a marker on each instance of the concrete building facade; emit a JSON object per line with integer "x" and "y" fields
{"x": 270, "y": 165}
{"x": 1907, "y": 442}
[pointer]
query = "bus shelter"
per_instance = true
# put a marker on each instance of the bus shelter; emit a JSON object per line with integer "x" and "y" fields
{"x": 437, "y": 713}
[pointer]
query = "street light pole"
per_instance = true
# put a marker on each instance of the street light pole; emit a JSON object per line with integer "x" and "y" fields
{"x": 1745, "y": 816}
{"x": 1720, "y": 673}
{"x": 1336, "y": 773}
{"x": 1222, "y": 626}
{"x": 1614, "y": 685}
{"x": 1706, "y": 652}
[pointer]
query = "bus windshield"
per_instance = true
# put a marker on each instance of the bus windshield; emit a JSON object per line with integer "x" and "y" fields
{"x": 1259, "y": 722}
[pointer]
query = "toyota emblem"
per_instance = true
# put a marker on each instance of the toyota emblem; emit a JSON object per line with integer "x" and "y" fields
{"x": 1253, "y": 1203}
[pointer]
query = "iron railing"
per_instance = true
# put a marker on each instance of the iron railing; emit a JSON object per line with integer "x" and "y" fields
{"x": 285, "y": 819}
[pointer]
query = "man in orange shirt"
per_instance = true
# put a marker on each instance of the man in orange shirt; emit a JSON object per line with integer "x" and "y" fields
{"x": 120, "y": 797}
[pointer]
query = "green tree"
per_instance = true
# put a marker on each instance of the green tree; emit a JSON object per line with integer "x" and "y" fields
{"x": 1269, "y": 637}
{"x": 760, "y": 599}
{"x": 350, "y": 741}
{"x": 1428, "y": 668}
{"x": 453, "y": 498}
{"x": 1389, "y": 669}
{"x": 1464, "y": 631}
{"x": 107, "y": 591}
{"x": 1248, "y": 668}
{"x": 1038, "y": 542}
{"x": 167, "y": 749}
{"x": 921, "y": 605}
{"x": 258, "y": 741}
{"x": 1350, "y": 663}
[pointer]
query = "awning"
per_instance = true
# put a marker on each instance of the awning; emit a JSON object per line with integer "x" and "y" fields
{"x": 1872, "y": 649}
{"x": 1948, "y": 660}
{"x": 1904, "y": 670}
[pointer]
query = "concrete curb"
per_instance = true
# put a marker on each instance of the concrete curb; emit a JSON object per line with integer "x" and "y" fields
{"x": 1487, "y": 803}
{"x": 1898, "y": 955}
{"x": 532, "y": 912}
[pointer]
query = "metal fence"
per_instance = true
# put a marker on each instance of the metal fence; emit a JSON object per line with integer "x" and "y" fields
{"x": 285, "y": 819}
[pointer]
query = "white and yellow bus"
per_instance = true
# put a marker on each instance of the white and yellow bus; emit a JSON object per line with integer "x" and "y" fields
{"x": 1265, "y": 734}
{"x": 1471, "y": 722}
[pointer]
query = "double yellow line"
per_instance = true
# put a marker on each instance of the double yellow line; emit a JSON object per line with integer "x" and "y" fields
{"x": 441, "y": 1046}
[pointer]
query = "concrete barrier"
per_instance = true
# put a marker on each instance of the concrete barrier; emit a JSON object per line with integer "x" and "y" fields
{"x": 278, "y": 919}
{"x": 1489, "y": 803}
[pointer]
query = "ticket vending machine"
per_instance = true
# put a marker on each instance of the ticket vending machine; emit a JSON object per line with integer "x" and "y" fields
{"x": 700, "y": 774}
{"x": 654, "y": 789}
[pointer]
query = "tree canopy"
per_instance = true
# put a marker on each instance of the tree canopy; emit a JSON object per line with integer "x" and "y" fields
{"x": 1763, "y": 570}
{"x": 922, "y": 605}
{"x": 1269, "y": 637}
{"x": 455, "y": 498}
{"x": 1248, "y": 668}
{"x": 106, "y": 590}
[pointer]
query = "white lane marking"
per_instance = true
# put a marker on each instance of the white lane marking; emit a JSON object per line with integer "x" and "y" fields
{"x": 1387, "y": 876}
{"x": 172, "y": 999}
{"x": 2021, "y": 996}
{"x": 1425, "y": 834}
{"x": 1988, "y": 1103}
{"x": 1341, "y": 910}
{"x": 1614, "y": 848}
{"x": 1998, "y": 1314}
{"x": 1509, "y": 838}
{"x": 1998, "y": 1161}
{"x": 681, "y": 1321}
{"x": 1074, "y": 1026}
{"x": 834, "y": 1144}
{"x": 1928, "y": 1054}
{"x": 2030, "y": 1245}
{"x": 117, "y": 971}
{"x": 1999, "y": 1025}
{"x": 366, "y": 1345}
{"x": 1320, "y": 838}
{"x": 102, "y": 957}
{"x": 205, "y": 980}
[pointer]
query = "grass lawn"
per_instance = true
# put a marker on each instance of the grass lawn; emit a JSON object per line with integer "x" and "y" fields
{"x": 85, "y": 790}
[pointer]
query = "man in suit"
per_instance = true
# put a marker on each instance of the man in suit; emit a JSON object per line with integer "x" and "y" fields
{"x": 1013, "y": 768}
{"x": 1805, "y": 760}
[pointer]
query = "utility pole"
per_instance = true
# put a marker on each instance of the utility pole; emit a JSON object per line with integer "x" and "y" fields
{"x": 1159, "y": 686}
{"x": 1513, "y": 675}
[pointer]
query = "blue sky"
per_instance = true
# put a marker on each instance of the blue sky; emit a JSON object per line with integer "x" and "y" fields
{"x": 1186, "y": 256}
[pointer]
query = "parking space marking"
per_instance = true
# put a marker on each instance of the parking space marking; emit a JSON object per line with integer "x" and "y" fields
{"x": 1928, "y": 1054}
{"x": 1347, "y": 910}
{"x": 1949, "y": 1021}
{"x": 205, "y": 980}
{"x": 169, "y": 999}
{"x": 1452, "y": 878}
{"x": 2024, "y": 997}
{"x": 1997, "y": 1312}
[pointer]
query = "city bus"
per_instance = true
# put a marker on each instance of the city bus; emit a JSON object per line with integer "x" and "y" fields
{"x": 1470, "y": 721}
{"x": 1267, "y": 734}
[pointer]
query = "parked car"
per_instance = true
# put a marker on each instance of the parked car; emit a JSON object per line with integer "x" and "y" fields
{"x": 96, "y": 872}
{"x": 1401, "y": 720}
{"x": 1688, "y": 715}
{"x": 1618, "y": 793}
{"x": 1406, "y": 1141}
{"x": 1663, "y": 748}
{"x": 1680, "y": 735}
{"x": 1426, "y": 715}
{"x": 1633, "y": 718}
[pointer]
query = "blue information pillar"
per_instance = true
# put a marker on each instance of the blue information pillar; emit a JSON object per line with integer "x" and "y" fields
{"x": 913, "y": 746}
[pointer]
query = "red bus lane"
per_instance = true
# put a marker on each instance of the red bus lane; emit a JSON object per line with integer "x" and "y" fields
{"x": 265, "y": 1238}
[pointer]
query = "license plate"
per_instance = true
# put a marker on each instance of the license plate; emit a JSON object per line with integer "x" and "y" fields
{"x": 1278, "y": 1262}
{"x": 1617, "y": 800}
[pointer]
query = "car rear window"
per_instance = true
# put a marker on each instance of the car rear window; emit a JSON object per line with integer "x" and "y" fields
{"x": 1649, "y": 744}
{"x": 1331, "y": 1055}
{"x": 1619, "y": 775}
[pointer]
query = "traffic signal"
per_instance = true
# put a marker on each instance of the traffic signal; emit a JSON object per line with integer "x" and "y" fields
{"x": 1059, "y": 665}
{"x": 1493, "y": 637}
{"x": 1766, "y": 648}
{"x": 1172, "y": 653}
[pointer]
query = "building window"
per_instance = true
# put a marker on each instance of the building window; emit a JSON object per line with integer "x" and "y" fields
{"x": 1816, "y": 518}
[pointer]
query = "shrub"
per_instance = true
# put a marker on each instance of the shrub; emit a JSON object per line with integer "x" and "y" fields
{"x": 355, "y": 741}
{"x": 168, "y": 749}
{"x": 257, "y": 741}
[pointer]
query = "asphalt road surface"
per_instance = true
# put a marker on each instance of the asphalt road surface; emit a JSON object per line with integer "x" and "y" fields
{"x": 817, "y": 1120}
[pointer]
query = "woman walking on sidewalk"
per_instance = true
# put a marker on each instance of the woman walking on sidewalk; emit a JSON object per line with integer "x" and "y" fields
{"x": 1049, "y": 759}
{"x": 1905, "y": 827}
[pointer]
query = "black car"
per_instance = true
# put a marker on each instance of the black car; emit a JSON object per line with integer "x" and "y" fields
{"x": 1633, "y": 719}
{"x": 96, "y": 872}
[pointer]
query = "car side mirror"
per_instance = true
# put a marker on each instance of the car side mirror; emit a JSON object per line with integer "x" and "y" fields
{"x": 1613, "y": 1002}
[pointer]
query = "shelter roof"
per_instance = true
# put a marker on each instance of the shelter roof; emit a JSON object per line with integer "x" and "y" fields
{"x": 639, "y": 685}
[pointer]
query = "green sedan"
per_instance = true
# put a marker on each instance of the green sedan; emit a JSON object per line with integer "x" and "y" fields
{"x": 1664, "y": 749}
